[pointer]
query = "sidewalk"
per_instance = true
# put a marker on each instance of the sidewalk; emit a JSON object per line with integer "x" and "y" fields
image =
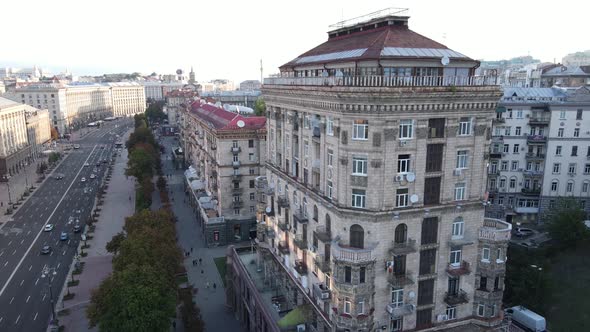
{"x": 99, "y": 262}
{"x": 26, "y": 177}
{"x": 210, "y": 301}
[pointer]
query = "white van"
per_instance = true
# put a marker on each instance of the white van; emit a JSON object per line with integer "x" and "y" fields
{"x": 528, "y": 320}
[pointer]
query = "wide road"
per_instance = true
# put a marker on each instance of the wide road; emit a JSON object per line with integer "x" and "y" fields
{"x": 25, "y": 303}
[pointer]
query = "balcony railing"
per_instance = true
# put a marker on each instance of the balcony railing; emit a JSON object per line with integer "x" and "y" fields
{"x": 460, "y": 240}
{"x": 403, "y": 248}
{"x": 284, "y": 226}
{"x": 399, "y": 310}
{"x": 284, "y": 248}
{"x": 322, "y": 264}
{"x": 236, "y": 177}
{"x": 539, "y": 120}
{"x": 300, "y": 267}
{"x": 323, "y": 234}
{"x": 236, "y": 164}
{"x": 458, "y": 269}
{"x": 531, "y": 155}
{"x": 456, "y": 298}
{"x": 495, "y": 155}
{"x": 495, "y": 230}
{"x": 384, "y": 81}
{"x": 300, "y": 217}
{"x": 532, "y": 173}
{"x": 536, "y": 139}
{"x": 283, "y": 201}
{"x": 237, "y": 205}
{"x": 400, "y": 280}
{"x": 344, "y": 252}
{"x": 237, "y": 191}
{"x": 498, "y": 120}
{"x": 300, "y": 242}
{"x": 321, "y": 291}
{"x": 236, "y": 150}
{"x": 531, "y": 191}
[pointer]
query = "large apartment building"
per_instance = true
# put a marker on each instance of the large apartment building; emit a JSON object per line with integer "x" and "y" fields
{"x": 224, "y": 151}
{"x": 372, "y": 208}
{"x": 540, "y": 151}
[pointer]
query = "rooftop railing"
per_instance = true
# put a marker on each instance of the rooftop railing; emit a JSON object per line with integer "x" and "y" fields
{"x": 383, "y": 81}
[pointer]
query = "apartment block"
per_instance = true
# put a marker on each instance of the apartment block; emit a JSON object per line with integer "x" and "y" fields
{"x": 223, "y": 151}
{"x": 371, "y": 214}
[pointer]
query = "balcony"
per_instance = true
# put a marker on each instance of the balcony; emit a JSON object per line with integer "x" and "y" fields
{"x": 323, "y": 234}
{"x": 317, "y": 133}
{"x": 236, "y": 177}
{"x": 498, "y": 120}
{"x": 403, "y": 248}
{"x": 342, "y": 251}
{"x": 284, "y": 247}
{"x": 399, "y": 280}
{"x": 300, "y": 267}
{"x": 283, "y": 201}
{"x": 460, "y": 269}
{"x": 383, "y": 81}
{"x": 321, "y": 292}
{"x": 322, "y": 264}
{"x": 300, "y": 217}
{"x": 531, "y": 191}
{"x": 495, "y": 155}
{"x": 539, "y": 120}
{"x": 237, "y": 191}
{"x": 536, "y": 139}
{"x": 534, "y": 174}
{"x": 526, "y": 209}
{"x": 399, "y": 310}
{"x": 495, "y": 230}
{"x": 456, "y": 298}
{"x": 493, "y": 172}
{"x": 270, "y": 232}
{"x": 237, "y": 205}
{"x": 459, "y": 241}
{"x": 300, "y": 242}
{"x": 284, "y": 226}
{"x": 235, "y": 150}
{"x": 236, "y": 164}
{"x": 535, "y": 156}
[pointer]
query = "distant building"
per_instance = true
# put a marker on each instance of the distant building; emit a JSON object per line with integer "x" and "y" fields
{"x": 2, "y": 88}
{"x": 38, "y": 129}
{"x": 177, "y": 99}
{"x": 28, "y": 74}
{"x": 224, "y": 151}
{"x": 14, "y": 145}
{"x": 566, "y": 76}
{"x": 158, "y": 90}
{"x": 250, "y": 85}
{"x": 238, "y": 97}
{"x": 217, "y": 85}
{"x": 577, "y": 59}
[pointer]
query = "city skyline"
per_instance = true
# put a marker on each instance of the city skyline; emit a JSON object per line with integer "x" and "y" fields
{"x": 106, "y": 48}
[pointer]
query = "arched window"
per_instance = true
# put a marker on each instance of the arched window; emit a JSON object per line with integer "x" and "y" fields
{"x": 357, "y": 236}
{"x": 512, "y": 184}
{"x": 554, "y": 185}
{"x": 328, "y": 224}
{"x": 315, "y": 212}
{"x": 569, "y": 189}
{"x": 585, "y": 188}
{"x": 401, "y": 233}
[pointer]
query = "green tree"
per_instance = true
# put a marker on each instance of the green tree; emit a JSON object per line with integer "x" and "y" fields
{"x": 566, "y": 223}
{"x": 140, "y": 164}
{"x": 260, "y": 107}
{"x": 115, "y": 243}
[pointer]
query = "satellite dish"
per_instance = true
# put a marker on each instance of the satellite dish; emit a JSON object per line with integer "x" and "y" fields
{"x": 411, "y": 177}
{"x": 412, "y": 294}
{"x": 445, "y": 60}
{"x": 241, "y": 123}
{"x": 268, "y": 210}
{"x": 414, "y": 198}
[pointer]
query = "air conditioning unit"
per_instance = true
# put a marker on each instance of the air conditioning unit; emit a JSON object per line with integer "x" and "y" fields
{"x": 442, "y": 318}
{"x": 457, "y": 172}
{"x": 403, "y": 143}
{"x": 399, "y": 178}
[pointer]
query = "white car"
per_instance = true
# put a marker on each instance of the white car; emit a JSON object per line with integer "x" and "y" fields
{"x": 83, "y": 179}
{"x": 86, "y": 164}
{"x": 48, "y": 228}
{"x": 92, "y": 176}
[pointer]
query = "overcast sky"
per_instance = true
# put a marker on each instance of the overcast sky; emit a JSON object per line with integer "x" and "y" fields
{"x": 227, "y": 39}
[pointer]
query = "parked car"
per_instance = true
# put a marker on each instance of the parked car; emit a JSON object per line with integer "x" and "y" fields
{"x": 527, "y": 319}
{"x": 523, "y": 232}
{"x": 92, "y": 176}
{"x": 46, "y": 250}
{"x": 77, "y": 228}
{"x": 86, "y": 164}
{"x": 63, "y": 236}
{"x": 83, "y": 179}
{"x": 48, "y": 228}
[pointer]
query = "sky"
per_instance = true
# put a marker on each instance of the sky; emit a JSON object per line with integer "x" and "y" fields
{"x": 227, "y": 39}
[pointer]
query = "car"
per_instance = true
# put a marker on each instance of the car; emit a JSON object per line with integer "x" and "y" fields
{"x": 48, "y": 228}
{"x": 523, "y": 232}
{"x": 63, "y": 236}
{"x": 104, "y": 161}
{"x": 83, "y": 179}
{"x": 76, "y": 146}
{"x": 86, "y": 164}
{"x": 102, "y": 146}
{"x": 98, "y": 164}
{"x": 58, "y": 176}
{"x": 46, "y": 250}
{"x": 77, "y": 228}
{"x": 92, "y": 176}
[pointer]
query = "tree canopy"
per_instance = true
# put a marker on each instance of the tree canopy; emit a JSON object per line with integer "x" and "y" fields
{"x": 566, "y": 223}
{"x": 260, "y": 107}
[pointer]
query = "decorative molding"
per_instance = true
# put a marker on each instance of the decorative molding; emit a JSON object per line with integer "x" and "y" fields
{"x": 359, "y": 181}
{"x": 390, "y": 134}
{"x": 344, "y": 137}
{"x": 376, "y": 163}
{"x": 376, "y": 139}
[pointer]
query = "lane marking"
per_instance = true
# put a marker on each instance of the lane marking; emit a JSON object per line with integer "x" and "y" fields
{"x": 30, "y": 267}
{"x": 6, "y": 263}
{"x": 43, "y": 299}
{"x": 28, "y": 298}
{"x": 41, "y": 230}
{"x": 14, "y": 252}
{"x": 64, "y": 252}
{"x": 29, "y": 232}
{"x": 58, "y": 264}
{"x": 17, "y": 319}
{"x": 1, "y": 253}
{"x": 36, "y": 281}
{"x": 35, "y": 318}
{"x": 9, "y": 243}
{"x": 11, "y": 300}
{"x": 23, "y": 240}
{"x": 22, "y": 282}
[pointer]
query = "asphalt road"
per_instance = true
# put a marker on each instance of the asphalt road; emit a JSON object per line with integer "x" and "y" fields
{"x": 25, "y": 303}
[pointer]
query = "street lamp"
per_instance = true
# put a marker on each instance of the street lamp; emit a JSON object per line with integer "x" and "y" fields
{"x": 48, "y": 272}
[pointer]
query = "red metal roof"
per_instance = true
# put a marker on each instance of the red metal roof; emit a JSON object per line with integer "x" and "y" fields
{"x": 220, "y": 119}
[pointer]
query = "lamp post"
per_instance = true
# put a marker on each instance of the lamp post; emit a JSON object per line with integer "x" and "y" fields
{"x": 48, "y": 272}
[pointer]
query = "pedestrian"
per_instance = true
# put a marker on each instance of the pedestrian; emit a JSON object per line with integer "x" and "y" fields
{"x": 200, "y": 260}
{"x": 191, "y": 250}
{"x": 207, "y": 285}
{"x": 214, "y": 286}
{"x": 174, "y": 324}
{"x": 202, "y": 272}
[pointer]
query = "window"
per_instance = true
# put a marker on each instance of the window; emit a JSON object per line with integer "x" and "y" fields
{"x": 512, "y": 183}
{"x": 330, "y": 157}
{"x": 251, "y": 209}
{"x": 569, "y": 187}
{"x": 588, "y": 152}
{"x": 585, "y": 187}
{"x": 556, "y": 168}
{"x": 558, "y": 150}
{"x": 460, "y": 191}
{"x": 434, "y": 157}
{"x": 252, "y": 183}
{"x": 574, "y": 150}
{"x": 347, "y": 274}
{"x": 236, "y": 212}
{"x": 493, "y": 310}
{"x": 587, "y": 169}
{"x": 436, "y": 128}
{"x": 429, "y": 233}
{"x": 360, "y": 308}
{"x": 235, "y": 144}
{"x": 483, "y": 283}
{"x": 426, "y": 292}
{"x": 424, "y": 318}
{"x": 554, "y": 185}
{"x": 516, "y": 148}
{"x": 577, "y": 132}
{"x": 451, "y": 313}
{"x": 250, "y": 143}
{"x": 481, "y": 310}
{"x": 464, "y": 126}
{"x": 560, "y": 132}
{"x": 406, "y": 129}
{"x": 507, "y": 131}
{"x": 251, "y": 171}
{"x": 358, "y": 198}
{"x": 357, "y": 236}
{"x": 329, "y": 189}
{"x": 517, "y": 131}
{"x": 514, "y": 165}
{"x": 401, "y": 197}
{"x": 306, "y": 148}
{"x": 502, "y": 183}
{"x": 571, "y": 169}
{"x": 499, "y": 257}
{"x": 562, "y": 115}
{"x": 485, "y": 254}
{"x": 427, "y": 260}
{"x": 397, "y": 297}
{"x": 506, "y": 148}
{"x": 329, "y": 126}
{"x": 362, "y": 274}
{"x": 458, "y": 228}
{"x": 432, "y": 190}
{"x": 396, "y": 324}
{"x": 504, "y": 166}
{"x": 347, "y": 305}
{"x": 462, "y": 156}
{"x": 579, "y": 115}
{"x": 236, "y": 158}
{"x": 359, "y": 165}
{"x": 455, "y": 257}
{"x": 519, "y": 114}
{"x": 252, "y": 196}
{"x": 403, "y": 163}
{"x": 360, "y": 130}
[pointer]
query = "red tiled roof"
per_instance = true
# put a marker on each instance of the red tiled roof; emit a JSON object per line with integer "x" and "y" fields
{"x": 373, "y": 40}
{"x": 220, "y": 119}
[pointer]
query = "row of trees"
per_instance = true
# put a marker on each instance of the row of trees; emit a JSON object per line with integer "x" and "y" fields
{"x": 144, "y": 160}
{"x": 141, "y": 293}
